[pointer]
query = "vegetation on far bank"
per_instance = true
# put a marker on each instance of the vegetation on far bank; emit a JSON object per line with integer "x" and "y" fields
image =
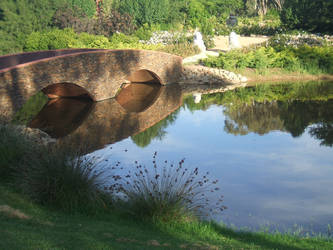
{"x": 302, "y": 53}
{"x": 48, "y": 24}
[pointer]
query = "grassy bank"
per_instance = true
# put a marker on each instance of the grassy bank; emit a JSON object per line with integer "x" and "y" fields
{"x": 27, "y": 225}
{"x": 50, "y": 200}
{"x": 278, "y": 75}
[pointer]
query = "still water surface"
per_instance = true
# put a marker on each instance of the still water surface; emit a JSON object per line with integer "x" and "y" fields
{"x": 274, "y": 159}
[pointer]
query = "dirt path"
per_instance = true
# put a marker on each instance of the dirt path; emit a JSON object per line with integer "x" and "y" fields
{"x": 222, "y": 42}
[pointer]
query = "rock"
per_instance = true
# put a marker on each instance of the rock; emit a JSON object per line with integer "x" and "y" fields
{"x": 197, "y": 80}
{"x": 33, "y": 134}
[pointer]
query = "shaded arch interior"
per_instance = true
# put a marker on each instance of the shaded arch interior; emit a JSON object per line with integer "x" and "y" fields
{"x": 66, "y": 90}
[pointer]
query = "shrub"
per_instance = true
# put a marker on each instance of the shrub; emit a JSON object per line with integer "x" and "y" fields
{"x": 144, "y": 32}
{"x": 169, "y": 193}
{"x": 61, "y": 39}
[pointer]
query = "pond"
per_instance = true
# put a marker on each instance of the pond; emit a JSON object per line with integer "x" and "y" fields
{"x": 269, "y": 146}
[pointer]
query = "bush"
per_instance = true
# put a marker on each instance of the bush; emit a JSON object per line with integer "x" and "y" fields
{"x": 170, "y": 193}
{"x": 144, "y": 32}
{"x": 53, "y": 39}
{"x": 61, "y": 39}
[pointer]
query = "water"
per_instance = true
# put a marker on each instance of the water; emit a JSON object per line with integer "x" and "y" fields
{"x": 273, "y": 158}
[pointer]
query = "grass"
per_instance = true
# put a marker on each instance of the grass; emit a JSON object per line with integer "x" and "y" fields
{"x": 272, "y": 75}
{"x": 49, "y": 229}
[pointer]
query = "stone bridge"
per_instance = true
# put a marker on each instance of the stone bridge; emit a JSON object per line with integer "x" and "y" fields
{"x": 94, "y": 73}
{"x": 91, "y": 126}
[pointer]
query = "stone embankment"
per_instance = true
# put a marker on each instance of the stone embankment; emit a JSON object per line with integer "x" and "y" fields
{"x": 34, "y": 135}
{"x": 209, "y": 80}
{"x": 197, "y": 75}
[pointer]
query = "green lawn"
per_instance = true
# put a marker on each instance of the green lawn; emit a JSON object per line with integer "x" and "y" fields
{"x": 24, "y": 225}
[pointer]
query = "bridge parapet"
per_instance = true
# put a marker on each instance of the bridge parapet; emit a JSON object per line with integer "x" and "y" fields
{"x": 99, "y": 72}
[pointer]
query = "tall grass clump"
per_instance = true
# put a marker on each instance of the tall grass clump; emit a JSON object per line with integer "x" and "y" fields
{"x": 170, "y": 193}
{"x": 13, "y": 147}
{"x": 59, "y": 178}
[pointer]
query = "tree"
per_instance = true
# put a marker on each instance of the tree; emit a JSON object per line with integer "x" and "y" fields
{"x": 18, "y": 18}
{"x": 313, "y": 16}
{"x": 146, "y": 11}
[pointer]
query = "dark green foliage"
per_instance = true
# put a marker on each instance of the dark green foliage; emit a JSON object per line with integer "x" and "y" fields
{"x": 313, "y": 16}
{"x": 148, "y": 11}
{"x": 87, "y": 6}
{"x": 20, "y": 18}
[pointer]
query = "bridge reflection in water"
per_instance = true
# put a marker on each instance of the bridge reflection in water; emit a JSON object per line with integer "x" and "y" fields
{"x": 137, "y": 107}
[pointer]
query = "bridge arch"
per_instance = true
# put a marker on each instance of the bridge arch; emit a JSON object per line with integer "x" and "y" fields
{"x": 143, "y": 75}
{"x": 66, "y": 89}
{"x": 100, "y": 73}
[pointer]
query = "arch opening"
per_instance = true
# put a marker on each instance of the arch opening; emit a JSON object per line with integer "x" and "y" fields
{"x": 66, "y": 89}
{"x": 141, "y": 90}
{"x": 144, "y": 76}
{"x": 61, "y": 116}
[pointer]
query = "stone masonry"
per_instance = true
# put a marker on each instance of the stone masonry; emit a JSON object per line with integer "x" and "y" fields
{"x": 99, "y": 72}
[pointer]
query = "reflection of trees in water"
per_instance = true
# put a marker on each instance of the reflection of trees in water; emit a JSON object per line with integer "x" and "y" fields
{"x": 287, "y": 107}
{"x": 259, "y": 118}
{"x": 293, "y": 117}
{"x": 324, "y": 132}
{"x": 157, "y": 131}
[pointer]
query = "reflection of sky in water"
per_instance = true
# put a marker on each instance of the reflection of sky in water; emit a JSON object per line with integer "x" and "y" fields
{"x": 270, "y": 179}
